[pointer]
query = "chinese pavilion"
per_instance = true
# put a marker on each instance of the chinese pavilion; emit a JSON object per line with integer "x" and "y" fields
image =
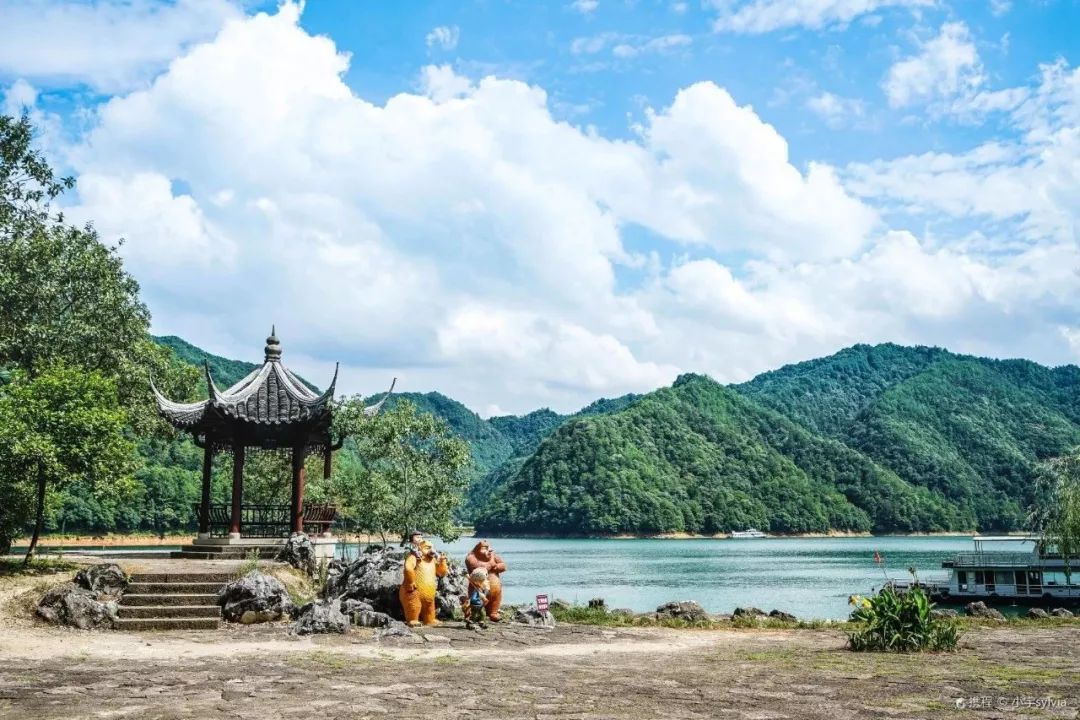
{"x": 270, "y": 409}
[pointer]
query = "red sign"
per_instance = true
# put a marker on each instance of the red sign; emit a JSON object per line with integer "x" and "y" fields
{"x": 542, "y": 603}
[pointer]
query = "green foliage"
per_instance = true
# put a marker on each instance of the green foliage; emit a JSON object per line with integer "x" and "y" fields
{"x": 63, "y": 428}
{"x": 1056, "y": 511}
{"x": 226, "y": 372}
{"x": 700, "y": 458}
{"x": 893, "y": 621}
{"x": 412, "y": 470}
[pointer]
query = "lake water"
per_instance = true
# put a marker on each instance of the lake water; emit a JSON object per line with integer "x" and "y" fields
{"x": 809, "y": 577}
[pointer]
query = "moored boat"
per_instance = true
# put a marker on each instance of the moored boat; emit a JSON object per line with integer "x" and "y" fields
{"x": 748, "y": 533}
{"x": 1033, "y": 576}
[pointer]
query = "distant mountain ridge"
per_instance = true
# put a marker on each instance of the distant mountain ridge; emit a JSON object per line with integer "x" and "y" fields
{"x": 884, "y": 438}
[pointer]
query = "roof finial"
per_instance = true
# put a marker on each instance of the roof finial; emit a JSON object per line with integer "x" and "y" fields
{"x": 273, "y": 347}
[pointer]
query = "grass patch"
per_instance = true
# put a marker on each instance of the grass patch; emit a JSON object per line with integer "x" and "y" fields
{"x": 37, "y": 566}
{"x": 447, "y": 660}
{"x": 317, "y": 659}
{"x": 300, "y": 587}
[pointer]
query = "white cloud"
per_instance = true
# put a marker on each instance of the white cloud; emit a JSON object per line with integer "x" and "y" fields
{"x": 836, "y": 111}
{"x": 762, "y": 16}
{"x": 463, "y": 239}
{"x": 585, "y": 7}
{"x": 110, "y": 45}
{"x": 658, "y": 45}
{"x": 946, "y": 65}
{"x": 19, "y": 98}
{"x": 444, "y": 36}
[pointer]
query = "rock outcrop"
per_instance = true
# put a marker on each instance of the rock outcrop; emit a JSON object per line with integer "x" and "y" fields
{"x": 687, "y": 610}
{"x": 1061, "y": 613}
{"x": 255, "y": 598}
{"x": 321, "y": 617}
{"x": 748, "y": 611}
{"x": 531, "y": 615}
{"x": 1037, "y": 613}
{"x": 943, "y": 614}
{"x": 78, "y": 607}
{"x": 105, "y": 578}
{"x": 299, "y": 552}
{"x": 781, "y": 615}
{"x": 374, "y": 577}
{"x": 980, "y": 610}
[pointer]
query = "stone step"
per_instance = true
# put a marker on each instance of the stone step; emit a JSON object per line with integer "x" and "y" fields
{"x": 233, "y": 549}
{"x": 167, "y": 600}
{"x": 220, "y": 578}
{"x": 175, "y": 588}
{"x": 190, "y": 623}
{"x": 170, "y": 611}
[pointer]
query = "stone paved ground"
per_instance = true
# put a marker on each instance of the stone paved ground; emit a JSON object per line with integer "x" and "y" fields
{"x": 516, "y": 672}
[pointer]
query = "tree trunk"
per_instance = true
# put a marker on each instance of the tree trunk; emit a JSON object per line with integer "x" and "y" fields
{"x": 39, "y": 519}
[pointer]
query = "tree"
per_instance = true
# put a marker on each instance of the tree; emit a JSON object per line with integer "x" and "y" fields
{"x": 415, "y": 471}
{"x": 366, "y": 497}
{"x": 27, "y": 183}
{"x": 61, "y": 427}
{"x": 1056, "y": 512}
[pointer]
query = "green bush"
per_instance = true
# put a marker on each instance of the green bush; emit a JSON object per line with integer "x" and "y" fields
{"x": 894, "y": 621}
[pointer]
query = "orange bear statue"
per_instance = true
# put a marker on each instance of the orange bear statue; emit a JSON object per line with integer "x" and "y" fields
{"x": 483, "y": 557}
{"x": 417, "y": 592}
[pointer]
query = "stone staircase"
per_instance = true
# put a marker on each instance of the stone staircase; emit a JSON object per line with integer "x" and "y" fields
{"x": 172, "y": 601}
{"x": 266, "y": 551}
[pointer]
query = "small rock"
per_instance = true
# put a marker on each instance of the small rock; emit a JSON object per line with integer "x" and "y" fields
{"x": 320, "y": 617}
{"x": 687, "y": 610}
{"x": 622, "y": 612}
{"x": 980, "y": 610}
{"x": 372, "y": 619}
{"x": 748, "y": 611}
{"x": 255, "y": 598}
{"x": 530, "y": 615}
{"x": 395, "y": 629}
{"x": 78, "y": 607}
{"x": 349, "y": 606}
{"x": 598, "y": 603}
{"x": 781, "y": 615}
{"x": 105, "y": 578}
{"x": 299, "y": 552}
{"x": 1037, "y": 613}
{"x": 944, "y": 614}
{"x": 561, "y": 604}
{"x": 1061, "y": 613}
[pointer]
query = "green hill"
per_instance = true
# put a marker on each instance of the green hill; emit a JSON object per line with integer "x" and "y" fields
{"x": 226, "y": 372}
{"x": 699, "y": 457}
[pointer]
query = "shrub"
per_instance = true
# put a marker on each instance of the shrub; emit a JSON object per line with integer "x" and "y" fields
{"x": 894, "y": 621}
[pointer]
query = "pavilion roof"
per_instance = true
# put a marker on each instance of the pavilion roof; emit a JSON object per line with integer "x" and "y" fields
{"x": 270, "y": 395}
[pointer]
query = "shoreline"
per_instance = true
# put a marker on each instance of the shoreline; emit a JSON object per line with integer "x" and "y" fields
{"x": 135, "y": 539}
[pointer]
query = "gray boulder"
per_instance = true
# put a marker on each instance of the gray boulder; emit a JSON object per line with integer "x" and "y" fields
{"x": 561, "y": 604}
{"x": 1037, "y": 613}
{"x": 748, "y": 611}
{"x": 781, "y": 615}
{"x": 105, "y": 578}
{"x": 372, "y": 619}
{"x": 255, "y": 598}
{"x": 78, "y": 607}
{"x": 687, "y": 610}
{"x": 320, "y": 617}
{"x": 943, "y": 614}
{"x": 530, "y": 615}
{"x": 395, "y": 629}
{"x": 375, "y": 576}
{"x": 350, "y": 606}
{"x": 1061, "y": 613}
{"x": 979, "y": 609}
{"x": 299, "y": 552}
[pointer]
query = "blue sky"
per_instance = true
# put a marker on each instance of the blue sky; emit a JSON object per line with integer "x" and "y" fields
{"x": 525, "y": 204}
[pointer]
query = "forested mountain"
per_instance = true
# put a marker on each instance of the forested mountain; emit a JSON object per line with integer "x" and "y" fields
{"x": 883, "y": 438}
{"x": 699, "y": 457}
{"x": 913, "y": 438}
{"x": 226, "y": 372}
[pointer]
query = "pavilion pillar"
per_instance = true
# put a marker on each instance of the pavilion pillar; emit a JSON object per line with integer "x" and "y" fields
{"x": 204, "y": 503}
{"x": 237, "y": 489}
{"x": 298, "y": 489}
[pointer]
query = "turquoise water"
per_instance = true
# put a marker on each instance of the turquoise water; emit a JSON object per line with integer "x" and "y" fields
{"x": 809, "y": 577}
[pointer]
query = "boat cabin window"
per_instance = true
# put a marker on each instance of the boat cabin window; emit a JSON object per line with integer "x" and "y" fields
{"x": 1003, "y": 577}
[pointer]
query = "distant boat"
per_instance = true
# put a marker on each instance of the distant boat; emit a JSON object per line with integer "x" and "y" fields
{"x": 749, "y": 533}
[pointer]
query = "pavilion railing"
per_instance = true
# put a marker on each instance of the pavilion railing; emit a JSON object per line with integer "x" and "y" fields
{"x": 269, "y": 521}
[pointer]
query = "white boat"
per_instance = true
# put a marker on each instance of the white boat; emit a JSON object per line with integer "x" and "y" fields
{"x": 996, "y": 574}
{"x": 749, "y": 533}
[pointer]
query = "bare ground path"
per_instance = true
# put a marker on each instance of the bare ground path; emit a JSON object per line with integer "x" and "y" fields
{"x": 516, "y": 672}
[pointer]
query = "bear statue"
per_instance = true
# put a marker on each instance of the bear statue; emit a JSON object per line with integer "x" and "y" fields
{"x": 421, "y": 579}
{"x": 482, "y": 556}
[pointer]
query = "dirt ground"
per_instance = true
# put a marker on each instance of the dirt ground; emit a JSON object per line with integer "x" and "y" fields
{"x": 507, "y": 671}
